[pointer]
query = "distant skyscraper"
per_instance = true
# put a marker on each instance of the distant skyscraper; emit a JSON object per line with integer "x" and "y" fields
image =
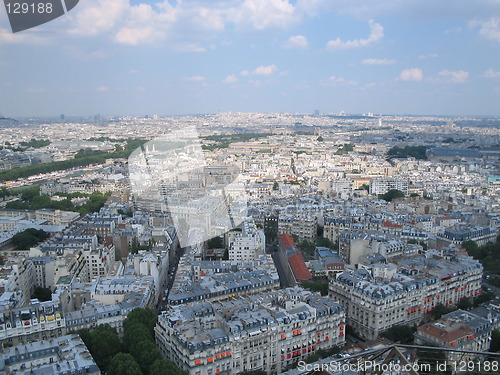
{"x": 62, "y": 117}
{"x": 316, "y": 112}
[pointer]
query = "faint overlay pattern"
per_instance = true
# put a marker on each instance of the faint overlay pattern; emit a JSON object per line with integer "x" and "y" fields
{"x": 171, "y": 174}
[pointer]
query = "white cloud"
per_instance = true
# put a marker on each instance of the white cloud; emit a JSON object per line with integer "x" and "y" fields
{"x": 129, "y": 24}
{"x": 489, "y": 29}
{"x": 195, "y": 79}
{"x": 7, "y": 37}
{"x": 458, "y": 76}
{"x": 95, "y": 17}
{"x": 428, "y": 56}
{"x": 102, "y": 88}
{"x": 413, "y": 74}
{"x": 376, "y": 34}
{"x": 190, "y": 47}
{"x": 230, "y": 79}
{"x": 334, "y": 79}
{"x": 133, "y": 71}
{"x": 265, "y": 70}
{"x": 244, "y": 73}
{"x": 378, "y": 61}
{"x": 297, "y": 41}
{"x": 138, "y": 35}
{"x": 490, "y": 73}
{"x": 262, "y": 14}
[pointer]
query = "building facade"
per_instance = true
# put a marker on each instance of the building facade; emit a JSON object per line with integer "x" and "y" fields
{"x": 266, "y": 333}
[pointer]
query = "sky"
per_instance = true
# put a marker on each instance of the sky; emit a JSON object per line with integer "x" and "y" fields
{"x": 138, "y": 57}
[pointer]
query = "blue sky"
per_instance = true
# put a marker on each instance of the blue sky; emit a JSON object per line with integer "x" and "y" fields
{"x": 136, "y": 57}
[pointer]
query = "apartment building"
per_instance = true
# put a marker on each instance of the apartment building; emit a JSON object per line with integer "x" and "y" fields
{"x": 62, "y": 355}
{"x": 460, "y": 233}
{"x": 245, "y": 242}
{"x": 381, "y": 185}
{"x": 17, "y": 281}
{"x": 267, "y": 332}
{"x": 375, "y": 301}
{"x": 300, "y": 225}
{"x": 32, "y": 322}
{"x": 98, "y": 262}
{"x": 461, "y": 330}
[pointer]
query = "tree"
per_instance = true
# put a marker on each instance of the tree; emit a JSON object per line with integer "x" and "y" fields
{"x": 124, "y": 364}
{"x": 215, "y": 243}
{"x": 325, "y": 242}
{"x": 105, "y": 344}
{"x": 320, "y": 139}
{"x": 391, "y": 195}
{"x": 417, "y": 152}
{"x": 145, "y": 353}
{"x": 465, "y": 304}
{"x": 440, "y": 310}
{"x": 135, "y": 333}
{"x": 365, "y": 187}
{"x": 134, "y": 248}
{"x": 42, "y": 294}
{"x": 30, "y": 193}
{"x": 28, "y": 238}
{"x": 141, "y": 316}
{"x": 470, "y": 246}
{"x": 495, "y": 341}
{"x": 316, "y": 286}
{"x": 165, "y": 367}
{"x": 276, "y": 186}
{"x": 402, "y": 333}
{"x": 4, "y": 192}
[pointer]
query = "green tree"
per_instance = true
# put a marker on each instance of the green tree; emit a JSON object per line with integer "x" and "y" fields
{"x": 145, "y": 353}
{"x": 134, "y": 333}
{"x": 465, "y": 304}
{"x": 105, "y": 344}
{"x": 417, "y": 152}
{"x": 215, "y": 243}
{"x": 28, "y": 238}
{"x": 86, "y": 336}
{"x": 141, "y": 316}
{"x": 134, "y": 248}
{"x": 4, "y": 192}
{"x": 124, "y": 364}
{"x": 325, "y": 242}
{"x": 276, "y": 186}
{"x": 495, "y": 341}
{"x": 42, "y": 294}
{"x": 30, "y": 193}
{"x": 402, "y": 333}
{"x": 320, "y": 286}
{"x": 470, "y": 246}
{"x": 165, "y": 367}
{"x": 391, "y": 195}
{"x": 440, "y": 310}
{"x": 320, "y": 139}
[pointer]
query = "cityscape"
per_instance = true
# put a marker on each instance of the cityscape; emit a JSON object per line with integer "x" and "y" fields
{"x": 260, "y": 243}
{"x": 255, "y": 187}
